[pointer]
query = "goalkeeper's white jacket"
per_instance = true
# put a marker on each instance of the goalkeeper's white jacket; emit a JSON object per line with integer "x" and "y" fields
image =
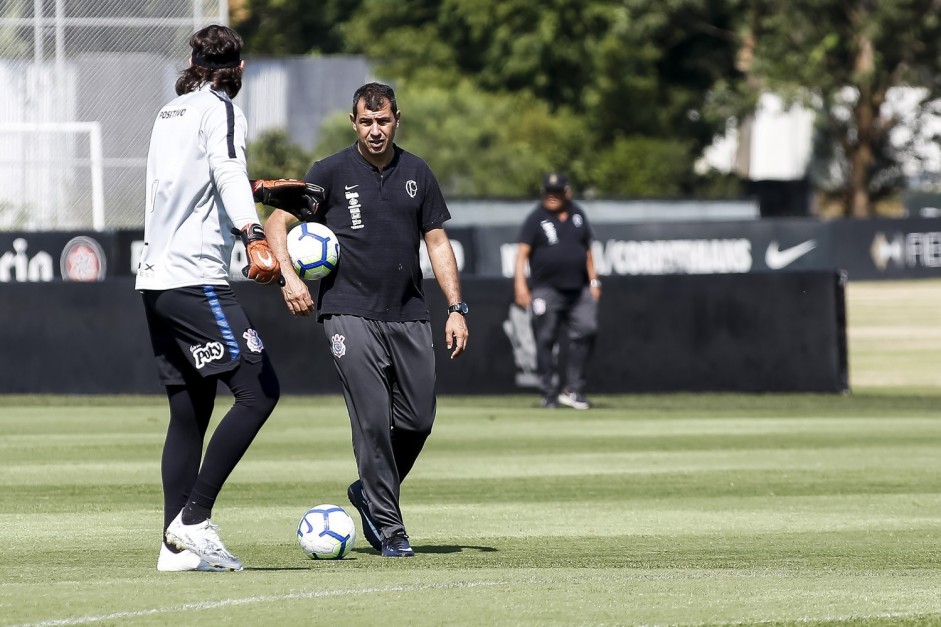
{"x": 197, "y": 190}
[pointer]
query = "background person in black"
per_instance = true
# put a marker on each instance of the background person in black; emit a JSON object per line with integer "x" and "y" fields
{"x": 555, "y": 242}
{"x": 381, "y": 202}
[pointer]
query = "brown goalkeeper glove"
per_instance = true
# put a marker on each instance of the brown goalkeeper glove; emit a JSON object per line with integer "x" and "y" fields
{"x": 298, "y": 198}
{"x": 263, "y": 266}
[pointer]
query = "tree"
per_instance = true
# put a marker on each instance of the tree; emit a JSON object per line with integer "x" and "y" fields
{"x": 480, "y": 144}
{"x": 631, "y": 70}
{"x": 625, "y": 77}
{"x": 273, "y": 156}
{"x": 284, "y": 27}
{"x": 843, "y": 57}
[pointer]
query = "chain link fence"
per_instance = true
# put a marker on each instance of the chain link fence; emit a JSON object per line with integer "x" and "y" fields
{"x": 82, "y": 81}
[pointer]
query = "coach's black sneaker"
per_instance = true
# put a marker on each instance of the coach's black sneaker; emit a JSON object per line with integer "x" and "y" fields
{"x": 549, "y": 402}
{"x": 358, "y": 499}
{"x": 397, "y": 545}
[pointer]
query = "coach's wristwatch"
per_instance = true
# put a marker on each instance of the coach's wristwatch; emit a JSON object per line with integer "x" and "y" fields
{"x": 460, "y": 308}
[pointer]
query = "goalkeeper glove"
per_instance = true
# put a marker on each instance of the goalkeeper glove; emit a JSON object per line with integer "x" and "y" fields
{"x": 263, "y": 266}
{"x": 298, "y": 198}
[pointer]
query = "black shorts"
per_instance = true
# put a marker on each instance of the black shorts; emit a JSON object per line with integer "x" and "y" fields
{"x": 199, "y": 331}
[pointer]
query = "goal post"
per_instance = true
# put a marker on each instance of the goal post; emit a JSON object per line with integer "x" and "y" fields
{"x": 50, "y": 171}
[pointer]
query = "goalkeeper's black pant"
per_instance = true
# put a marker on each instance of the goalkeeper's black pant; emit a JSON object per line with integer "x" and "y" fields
{"x": 256, "y": 390}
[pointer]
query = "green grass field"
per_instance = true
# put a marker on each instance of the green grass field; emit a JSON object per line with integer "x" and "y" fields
{"x": 656, "y": 510}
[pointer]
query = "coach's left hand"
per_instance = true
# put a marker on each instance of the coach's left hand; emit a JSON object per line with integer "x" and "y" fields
{"x": 296, "y": 295}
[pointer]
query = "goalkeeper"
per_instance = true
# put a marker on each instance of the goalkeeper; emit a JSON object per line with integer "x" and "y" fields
{"x": 198, "y": 200}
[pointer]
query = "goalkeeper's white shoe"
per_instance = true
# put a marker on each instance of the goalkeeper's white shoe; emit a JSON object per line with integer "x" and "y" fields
{"x": 170, "y": 562}
{"x": 203, "y": 540}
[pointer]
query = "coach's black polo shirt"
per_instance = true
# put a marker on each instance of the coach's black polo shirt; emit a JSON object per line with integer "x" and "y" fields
{"x": 559, "y": 249}
{"x": 379, "y": 219}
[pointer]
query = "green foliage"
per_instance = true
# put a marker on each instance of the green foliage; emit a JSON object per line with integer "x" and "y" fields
{"x": 12, "y": 43}
{"x": 480, "y": 144}
{"x": 273, "y": 156}
{"x": 843, "y": 58}
{"x": 716, "y": 186}
{"x": 643, "y": 167}
{"x": 611, "y": 68}
{"x": 671, "y": 72}
{"x": 336, "y": 133}
{"x": 284, "y": 27}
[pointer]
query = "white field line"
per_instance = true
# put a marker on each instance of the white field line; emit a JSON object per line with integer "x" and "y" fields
{"x": 838, "y": 618}
{"x": 208, "y": 605}
{"x": 269, "y": 598}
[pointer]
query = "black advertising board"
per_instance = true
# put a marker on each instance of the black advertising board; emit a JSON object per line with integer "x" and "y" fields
{"x": 88, "y": 256}
{"x": 41, "y": 257}
{"x": 865, "y": 249}
{"x": 888, "y": 249}
{"x": 743, "y": 332}
{"x": 652, "y": 249}
{"x": 128, "y": 246}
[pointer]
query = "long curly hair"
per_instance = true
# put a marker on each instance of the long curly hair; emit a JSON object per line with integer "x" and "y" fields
{"x": 218, "y": 47}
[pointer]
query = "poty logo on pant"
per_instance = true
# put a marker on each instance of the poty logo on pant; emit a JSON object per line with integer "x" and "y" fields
{"x": 211, "y": 351}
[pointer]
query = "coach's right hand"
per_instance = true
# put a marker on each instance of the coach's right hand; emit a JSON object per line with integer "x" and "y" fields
{"x": 297, "y": 296}
{"x": 295, "y": 292}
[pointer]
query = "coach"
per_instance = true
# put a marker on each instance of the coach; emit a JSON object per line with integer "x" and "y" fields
{"x": 381, "y": 202}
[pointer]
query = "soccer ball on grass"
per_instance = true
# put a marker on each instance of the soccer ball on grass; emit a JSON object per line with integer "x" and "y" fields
{"x": 314, "y": 250}
{"x": 326, "y": 532}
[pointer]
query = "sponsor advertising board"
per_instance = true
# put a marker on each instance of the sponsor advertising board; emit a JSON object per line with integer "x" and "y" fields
{"x": 864, "y": 249}
{"x": 54, "y": 256}
{"x": 685, "y": 248}
{"x": 41, "y": 257}
{"x": 888, "y": 249}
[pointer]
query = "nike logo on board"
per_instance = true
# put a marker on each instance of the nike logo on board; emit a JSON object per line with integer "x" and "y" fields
{"x": 776, "y": 258}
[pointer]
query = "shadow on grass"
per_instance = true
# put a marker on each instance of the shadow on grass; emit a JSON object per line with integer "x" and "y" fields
{"x": 453, "y": 548}
{"x": 436, "y": 549}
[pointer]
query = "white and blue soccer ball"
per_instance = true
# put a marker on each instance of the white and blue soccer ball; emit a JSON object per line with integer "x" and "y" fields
{"x": 326, "y": 532}
{"x": 314, "y": 250}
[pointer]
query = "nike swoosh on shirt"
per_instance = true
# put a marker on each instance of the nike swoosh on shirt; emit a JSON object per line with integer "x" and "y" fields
{"x": 776, "y": 258}
{"x": 349, "y": 187}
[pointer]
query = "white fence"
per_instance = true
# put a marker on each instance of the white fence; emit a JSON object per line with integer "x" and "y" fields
{"x": 82, "y": 80}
